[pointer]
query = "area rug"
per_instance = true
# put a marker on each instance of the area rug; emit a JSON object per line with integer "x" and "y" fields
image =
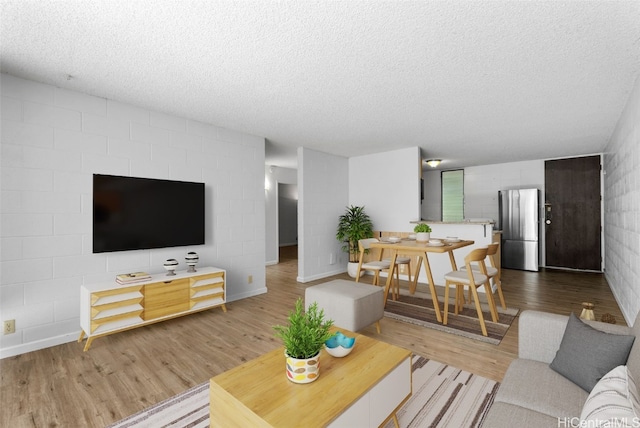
{"x": 419, "y": 311}
{"x": 443, "y": 396}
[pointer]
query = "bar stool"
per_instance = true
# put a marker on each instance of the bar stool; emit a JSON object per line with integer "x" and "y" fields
{"x": 474, "y": 280}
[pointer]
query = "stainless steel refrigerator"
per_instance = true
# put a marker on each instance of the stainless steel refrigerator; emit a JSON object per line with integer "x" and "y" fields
{"x": 519, "y": 221}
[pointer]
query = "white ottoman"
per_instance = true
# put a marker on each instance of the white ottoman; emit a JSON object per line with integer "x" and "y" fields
{"x": 350, "y": 305}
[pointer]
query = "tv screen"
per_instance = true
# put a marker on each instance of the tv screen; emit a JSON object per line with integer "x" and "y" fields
{"x": 132, "y": 213}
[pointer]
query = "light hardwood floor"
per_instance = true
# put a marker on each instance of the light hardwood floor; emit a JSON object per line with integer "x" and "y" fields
{"x": 127, "y": 372}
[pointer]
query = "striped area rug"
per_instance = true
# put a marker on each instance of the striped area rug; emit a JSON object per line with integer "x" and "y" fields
{"x": 443, "y": 396}
{"x": 419, "y": 311}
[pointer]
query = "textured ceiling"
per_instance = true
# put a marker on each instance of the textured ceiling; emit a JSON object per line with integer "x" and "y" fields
{"x": 471, "y": 82}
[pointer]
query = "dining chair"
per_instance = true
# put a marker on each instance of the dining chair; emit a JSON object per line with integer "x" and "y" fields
{"x": 400, "y": 260}
{"x": 492, "y": 271}
{"x": 385, "y": 264}
{"x": 473, "y": 279}
{"x": 375, "y": 266}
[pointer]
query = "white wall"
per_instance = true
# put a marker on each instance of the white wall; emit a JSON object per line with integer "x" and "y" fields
{"x": 622, "y": 208}
{"x": 323, "y": 195}
{"x": 52, "y": 141}
{"x": 388, "y": 186}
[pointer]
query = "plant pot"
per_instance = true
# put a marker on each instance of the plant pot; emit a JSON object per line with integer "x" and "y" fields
{"x": 302, "y": 370}
{"x": 423, "y": 236}
{"x": 352, "y": 269}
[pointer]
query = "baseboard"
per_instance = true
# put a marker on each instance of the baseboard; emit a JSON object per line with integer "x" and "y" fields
{"x": 251, "y": 293}
{"x": 320, "y": 276}
{"x": 40, "y": 344}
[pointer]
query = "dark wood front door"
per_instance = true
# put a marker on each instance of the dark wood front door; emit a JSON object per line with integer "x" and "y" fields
{"x": 572, "y": 213}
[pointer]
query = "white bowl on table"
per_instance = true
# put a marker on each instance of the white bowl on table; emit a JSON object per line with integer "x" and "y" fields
{"x": 394, "y": 239}
{"x": 339, "y": 345}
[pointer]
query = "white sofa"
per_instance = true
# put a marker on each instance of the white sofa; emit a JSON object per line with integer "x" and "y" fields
{"x": 532, "y": 394}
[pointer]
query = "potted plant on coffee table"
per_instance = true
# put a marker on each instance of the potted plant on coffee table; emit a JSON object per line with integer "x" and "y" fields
{"x": 353, "y": 225}
{"x": 423, "y": 232}
{"x": 303, "y": 339}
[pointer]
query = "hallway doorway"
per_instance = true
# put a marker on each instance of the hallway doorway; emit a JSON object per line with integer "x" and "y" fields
{"x": 287, "y": 220}
{"x": 288, "y": 253}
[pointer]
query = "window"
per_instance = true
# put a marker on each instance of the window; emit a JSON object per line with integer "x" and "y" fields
{"x": 453, "y": 195}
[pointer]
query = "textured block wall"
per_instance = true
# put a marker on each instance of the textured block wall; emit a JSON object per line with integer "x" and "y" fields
{"x": 622, "y": 208}
{"x": 53, "y": 140}
{"x": 323, "y": 189}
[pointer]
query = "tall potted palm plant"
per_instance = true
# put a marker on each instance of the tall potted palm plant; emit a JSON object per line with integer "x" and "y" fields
{"x": 353, "y": 225}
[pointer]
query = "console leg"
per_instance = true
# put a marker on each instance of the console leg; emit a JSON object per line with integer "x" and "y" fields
{"x": 89, "y": 340}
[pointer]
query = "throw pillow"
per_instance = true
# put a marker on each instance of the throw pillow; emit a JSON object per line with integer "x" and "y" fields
{"x": 587, "y": 354}
{"x": 613, "y": 402}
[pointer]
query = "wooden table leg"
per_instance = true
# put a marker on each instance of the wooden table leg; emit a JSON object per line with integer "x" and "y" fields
{"x": 432, "y": 287}
{"x": 394, "y": 254}
{"x": 454, "y": 267}
{"x": 414, "y": 284}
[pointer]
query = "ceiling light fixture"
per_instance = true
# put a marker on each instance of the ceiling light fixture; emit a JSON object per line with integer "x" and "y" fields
{"x": 434, "y": 162}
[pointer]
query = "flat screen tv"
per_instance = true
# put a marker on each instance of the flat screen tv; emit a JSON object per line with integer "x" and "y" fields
{"x": 131, "y": 213}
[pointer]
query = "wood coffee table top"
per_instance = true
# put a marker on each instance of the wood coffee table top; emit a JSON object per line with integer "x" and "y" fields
{"x": 258, "y": 393}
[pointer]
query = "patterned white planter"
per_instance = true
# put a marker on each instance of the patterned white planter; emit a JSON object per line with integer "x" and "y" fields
{"x": 303, "y": 370}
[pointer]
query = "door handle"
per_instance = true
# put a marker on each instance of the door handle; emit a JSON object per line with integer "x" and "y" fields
{"x": 547, "y": 213}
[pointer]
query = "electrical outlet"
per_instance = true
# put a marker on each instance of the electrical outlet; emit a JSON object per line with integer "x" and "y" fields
{"x": 9, "y": 326}
{"x": 250, "y": 279}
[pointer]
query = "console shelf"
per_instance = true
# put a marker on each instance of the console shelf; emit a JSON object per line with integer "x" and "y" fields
{"x": 109, "y": 308}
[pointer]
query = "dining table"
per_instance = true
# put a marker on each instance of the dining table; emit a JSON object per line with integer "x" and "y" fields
{"x": 410, "y": 247}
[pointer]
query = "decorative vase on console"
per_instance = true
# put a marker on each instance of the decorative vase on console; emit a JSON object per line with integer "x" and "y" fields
{"x": 170, "y": 265}
{"x": 192, "y": 259}
{"x": 423, "y": 232}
